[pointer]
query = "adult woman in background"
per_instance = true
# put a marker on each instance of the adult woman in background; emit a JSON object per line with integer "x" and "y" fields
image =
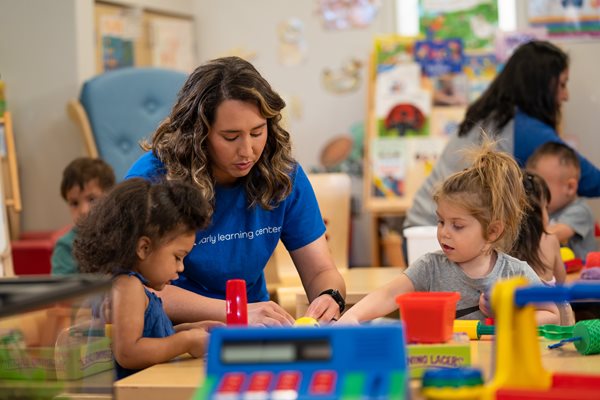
{"x": 224, "y": 136}
{"x": 521, "y": 109}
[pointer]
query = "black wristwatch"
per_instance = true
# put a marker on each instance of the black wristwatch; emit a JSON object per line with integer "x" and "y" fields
{"x": 337, "y": 297}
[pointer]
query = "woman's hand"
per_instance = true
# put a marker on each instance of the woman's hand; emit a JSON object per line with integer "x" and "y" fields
{"x": 348, "y": 319}
{"x": 268, "y": 313}
{"x": 324, "y": 309}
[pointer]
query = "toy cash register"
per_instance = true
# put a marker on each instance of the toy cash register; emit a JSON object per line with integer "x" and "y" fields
{"x": 331, "y": 362}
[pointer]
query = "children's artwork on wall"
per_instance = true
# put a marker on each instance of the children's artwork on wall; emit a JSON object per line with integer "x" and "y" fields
{"x": 566, "y": 18}
{"x": 345, "y": 79}
{"x": 347, "y": 14}
{"x": 117, "y": 41}
{"x": 292, "y": 43}
{"x": 172, "y": 44}
{"x": 389, "y": 160}
{"x": 445, "y": 120}
{"x": 507, "y": 42}
{"x": 474, "y": 21}
{"x": 402, "y": 107}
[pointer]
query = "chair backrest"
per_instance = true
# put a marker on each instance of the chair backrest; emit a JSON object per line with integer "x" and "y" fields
{"x": 333, "y": 191}
{"x": 125, "y": 106}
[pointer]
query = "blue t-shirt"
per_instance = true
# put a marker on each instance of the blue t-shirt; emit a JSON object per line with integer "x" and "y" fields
{"x": 240, "y": 240}
{"x": 530, "y": 133}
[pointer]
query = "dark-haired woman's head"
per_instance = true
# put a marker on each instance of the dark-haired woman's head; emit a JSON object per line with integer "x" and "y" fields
{"x": 533, "y": 80}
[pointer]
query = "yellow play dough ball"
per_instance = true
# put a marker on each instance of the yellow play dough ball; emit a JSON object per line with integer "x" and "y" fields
{"x": 306, "y": 321}
{"x": 566, "y": 254}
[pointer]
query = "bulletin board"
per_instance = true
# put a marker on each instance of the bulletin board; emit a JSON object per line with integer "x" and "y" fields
{"x": 406, "y": 132}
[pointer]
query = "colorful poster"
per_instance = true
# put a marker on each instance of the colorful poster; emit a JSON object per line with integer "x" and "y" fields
{"x": 439, "y": 57}
{"x": 566, "y": 18}
{"x": 389, "y": 160}
{"x": 345, "y": 79}
{"x": 118, "y": 33}
{"x": 474, "y": 21}
{"x": 402, "y": 107}
{"x": 480, "y": 71}
{"x": 391, "y": 50}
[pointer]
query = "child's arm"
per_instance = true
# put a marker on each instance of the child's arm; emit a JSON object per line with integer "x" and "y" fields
{"x": 380, "y": 302}
{"x": 133, "y": 351}
{"x": 562, "y": 231}
{"x": 547, "y": 313}
{"x": 206, "y": 325}
{"x": 558, "y": 266}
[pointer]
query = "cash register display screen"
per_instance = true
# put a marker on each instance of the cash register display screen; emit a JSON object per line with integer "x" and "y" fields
{"x": 275, "y": 351}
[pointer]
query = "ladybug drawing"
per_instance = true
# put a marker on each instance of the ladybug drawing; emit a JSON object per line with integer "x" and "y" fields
{"x": 403, "y": 117}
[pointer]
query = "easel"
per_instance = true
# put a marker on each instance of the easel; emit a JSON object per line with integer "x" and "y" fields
{"x": 13, "y": 197}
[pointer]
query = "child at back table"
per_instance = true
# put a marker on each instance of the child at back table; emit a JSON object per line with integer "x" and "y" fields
{"x": 140, "y": 233}
{"x": 540, "y": 249}
{"x": 571, "y": 219}
{"x": 84, "y": 181}
{"x": 479, "y": 211}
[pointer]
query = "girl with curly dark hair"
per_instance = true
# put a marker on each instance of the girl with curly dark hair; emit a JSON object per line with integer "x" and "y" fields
{"x": 224, "y": 135}
{"x": 140, "y": 233}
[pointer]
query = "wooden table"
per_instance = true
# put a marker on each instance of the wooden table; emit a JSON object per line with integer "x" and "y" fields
{"x": 362, "y": 281}
{"x": 359, "y": 282}
{"x": 180, "y": 379}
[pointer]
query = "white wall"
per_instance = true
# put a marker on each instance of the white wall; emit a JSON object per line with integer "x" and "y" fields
{"x": 46, "y": 53}
{"x": 38, "y": 62}
{"x": 226, "y": 24}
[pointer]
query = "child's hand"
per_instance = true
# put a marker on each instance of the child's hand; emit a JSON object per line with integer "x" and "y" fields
{"x": 198, "y": 341}
{"x": 348, "y": 319}
{"x": 206, "y": 325}
{"x": 484, "y": 304}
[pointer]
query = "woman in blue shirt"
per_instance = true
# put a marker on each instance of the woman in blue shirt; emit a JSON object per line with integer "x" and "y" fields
{"x": 521, "y": 110}
{"x": 224, "y": 135}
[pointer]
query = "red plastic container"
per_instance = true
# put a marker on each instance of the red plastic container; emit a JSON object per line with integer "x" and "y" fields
{"x": 236, "y": 302}
{"x": 428, "y": 316}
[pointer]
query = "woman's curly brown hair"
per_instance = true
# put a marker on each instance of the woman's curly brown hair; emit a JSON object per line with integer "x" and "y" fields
{"x": 180, "y": 142}
{"x": 106, "y": 239}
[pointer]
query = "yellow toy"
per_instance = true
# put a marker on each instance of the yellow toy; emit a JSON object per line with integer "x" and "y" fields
{"x": 306, "y": 321}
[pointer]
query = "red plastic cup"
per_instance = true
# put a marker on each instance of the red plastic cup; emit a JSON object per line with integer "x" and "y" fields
{"x": 236, "y": 302}
{"x": 428, "y": 316}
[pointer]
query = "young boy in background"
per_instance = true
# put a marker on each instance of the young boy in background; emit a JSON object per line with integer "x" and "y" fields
{"x": 571, "y": 219}
{"x": 84, "y": 181}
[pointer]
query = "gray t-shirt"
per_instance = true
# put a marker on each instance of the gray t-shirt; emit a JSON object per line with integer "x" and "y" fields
{"x": 579, "y": 216}
{"x": 434, "y": 272}
{"x": 422, "y": 211}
